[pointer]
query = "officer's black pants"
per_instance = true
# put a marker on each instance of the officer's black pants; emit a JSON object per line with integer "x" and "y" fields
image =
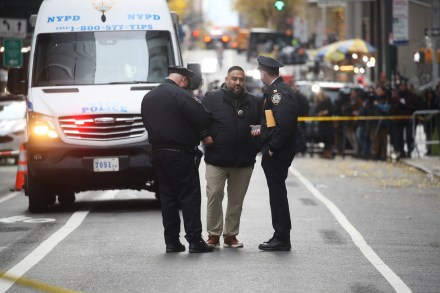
{"x": 179, "y": 185}
{"x": 276, "y": 168}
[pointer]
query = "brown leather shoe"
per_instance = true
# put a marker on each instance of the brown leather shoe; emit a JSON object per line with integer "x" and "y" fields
{"x": 232, "y": 242}
{"x": 213, "y": 241}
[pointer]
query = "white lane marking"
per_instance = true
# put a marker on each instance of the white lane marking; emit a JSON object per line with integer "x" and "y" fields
{"x": 43, "y": 249}
{"x": 14, "y": 219}
{"x": 357, "y": 238}
{"x": 8, "y": 197}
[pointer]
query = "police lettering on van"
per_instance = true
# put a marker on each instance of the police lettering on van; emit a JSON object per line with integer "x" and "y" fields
{"x": 106, "y": 107}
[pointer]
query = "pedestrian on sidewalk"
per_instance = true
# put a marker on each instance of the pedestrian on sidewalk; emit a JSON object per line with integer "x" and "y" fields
{"x": 230, "y": 152}
{"x": 324, "y": 108}
{"x": 403, "y": 103}
{"x": 379, "y": 129}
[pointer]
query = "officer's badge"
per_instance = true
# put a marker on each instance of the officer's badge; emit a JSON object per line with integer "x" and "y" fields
{"x": 276, "y": 98}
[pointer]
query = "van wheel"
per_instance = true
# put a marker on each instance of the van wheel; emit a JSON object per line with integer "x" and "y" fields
{"x": 51, "y": 199}
{"x": 38, "y": 202}
{"x": 66, "y": 199}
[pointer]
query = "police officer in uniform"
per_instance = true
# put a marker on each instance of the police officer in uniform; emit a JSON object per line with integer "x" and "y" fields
{"x": 279, "y": 140}
{"x": 174, "y": 119}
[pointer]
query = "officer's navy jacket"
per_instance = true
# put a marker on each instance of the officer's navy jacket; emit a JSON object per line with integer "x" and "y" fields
{"x": 281, "y": 100}
{"x": 173, "y": 117}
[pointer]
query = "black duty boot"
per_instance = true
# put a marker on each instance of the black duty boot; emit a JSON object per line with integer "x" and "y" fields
{"x": 175, "y": 247}
{"x": 200, "y": 247}
{"x": 275, "y": 244}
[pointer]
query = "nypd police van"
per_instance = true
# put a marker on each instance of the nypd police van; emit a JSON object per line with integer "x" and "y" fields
{"x": 91, "y": 63}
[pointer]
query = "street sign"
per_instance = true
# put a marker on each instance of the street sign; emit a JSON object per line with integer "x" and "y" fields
{"x": 12, "y": 57}
{"x": 433, "y": 32}
{"x": 13, "y": 28}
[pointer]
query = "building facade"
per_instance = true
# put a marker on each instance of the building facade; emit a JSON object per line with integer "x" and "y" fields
{"x": 372, "y": 21}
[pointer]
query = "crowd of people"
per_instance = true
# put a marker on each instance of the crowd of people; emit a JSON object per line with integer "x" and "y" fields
{"x": 372, "y": 119}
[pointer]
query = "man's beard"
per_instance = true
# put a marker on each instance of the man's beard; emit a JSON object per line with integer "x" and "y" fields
{"x": 236, "y": 93}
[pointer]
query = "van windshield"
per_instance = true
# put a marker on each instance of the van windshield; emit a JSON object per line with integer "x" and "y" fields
{"x": 89, "y": 58}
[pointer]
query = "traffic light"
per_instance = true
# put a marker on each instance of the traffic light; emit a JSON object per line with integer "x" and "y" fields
{"x": 279, "y": 5}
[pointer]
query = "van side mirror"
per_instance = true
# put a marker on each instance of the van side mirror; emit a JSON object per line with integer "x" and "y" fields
{"x": 16, "y": 84}
{"x": 196, "y": 81}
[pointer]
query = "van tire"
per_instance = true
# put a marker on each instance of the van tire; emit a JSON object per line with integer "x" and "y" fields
{"x": 66, "y": 199}
{"x": 36, "y": 194}
{"x": 51, "y": 199}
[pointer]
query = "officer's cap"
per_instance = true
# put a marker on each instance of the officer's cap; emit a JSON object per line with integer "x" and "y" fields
{"x": 181, "y": 70}
{"x": 264, "y": 61}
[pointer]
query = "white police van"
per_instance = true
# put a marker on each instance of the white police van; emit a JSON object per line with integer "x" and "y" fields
{"x": 91, "y": 63}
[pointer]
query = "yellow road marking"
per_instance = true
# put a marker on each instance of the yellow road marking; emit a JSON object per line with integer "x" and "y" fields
{"x": 35, "y": 284}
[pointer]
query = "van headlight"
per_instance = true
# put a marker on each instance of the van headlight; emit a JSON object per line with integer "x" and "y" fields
{"x": 41, "y": 126}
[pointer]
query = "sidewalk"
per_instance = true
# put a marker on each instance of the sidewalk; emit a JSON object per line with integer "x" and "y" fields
{"x": 428, "y": 164}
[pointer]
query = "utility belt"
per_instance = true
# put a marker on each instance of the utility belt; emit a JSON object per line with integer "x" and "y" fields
{"x": 174, "y": 148}
{"x": 198, "y": 154}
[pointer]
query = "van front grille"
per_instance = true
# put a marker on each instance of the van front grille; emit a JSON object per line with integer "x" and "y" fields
{"x": 102, "y": 127}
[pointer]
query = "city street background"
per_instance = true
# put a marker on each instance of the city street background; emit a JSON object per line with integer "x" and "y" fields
{"x": 358, "y": 224}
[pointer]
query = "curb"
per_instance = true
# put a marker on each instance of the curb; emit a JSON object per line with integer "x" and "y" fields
{"x": 421, "y": 167}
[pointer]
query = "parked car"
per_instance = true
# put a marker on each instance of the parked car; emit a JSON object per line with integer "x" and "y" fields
{"x": 12, "y": 126}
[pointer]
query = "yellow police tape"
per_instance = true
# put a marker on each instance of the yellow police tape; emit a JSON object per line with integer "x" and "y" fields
{"x": 353, "y": 118}
{"x": 35, "y": 284}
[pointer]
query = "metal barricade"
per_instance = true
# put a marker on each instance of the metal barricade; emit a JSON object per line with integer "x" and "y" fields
{"x": 431, "y": 123}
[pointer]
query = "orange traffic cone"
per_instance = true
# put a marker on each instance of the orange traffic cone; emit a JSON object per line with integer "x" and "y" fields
{"x": 22, "y": 168}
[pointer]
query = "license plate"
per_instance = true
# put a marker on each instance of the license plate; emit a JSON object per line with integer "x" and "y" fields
{"x": 106, "y": 165}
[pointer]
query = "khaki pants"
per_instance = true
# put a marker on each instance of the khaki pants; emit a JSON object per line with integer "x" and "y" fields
{"x": 238, "y": 182}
